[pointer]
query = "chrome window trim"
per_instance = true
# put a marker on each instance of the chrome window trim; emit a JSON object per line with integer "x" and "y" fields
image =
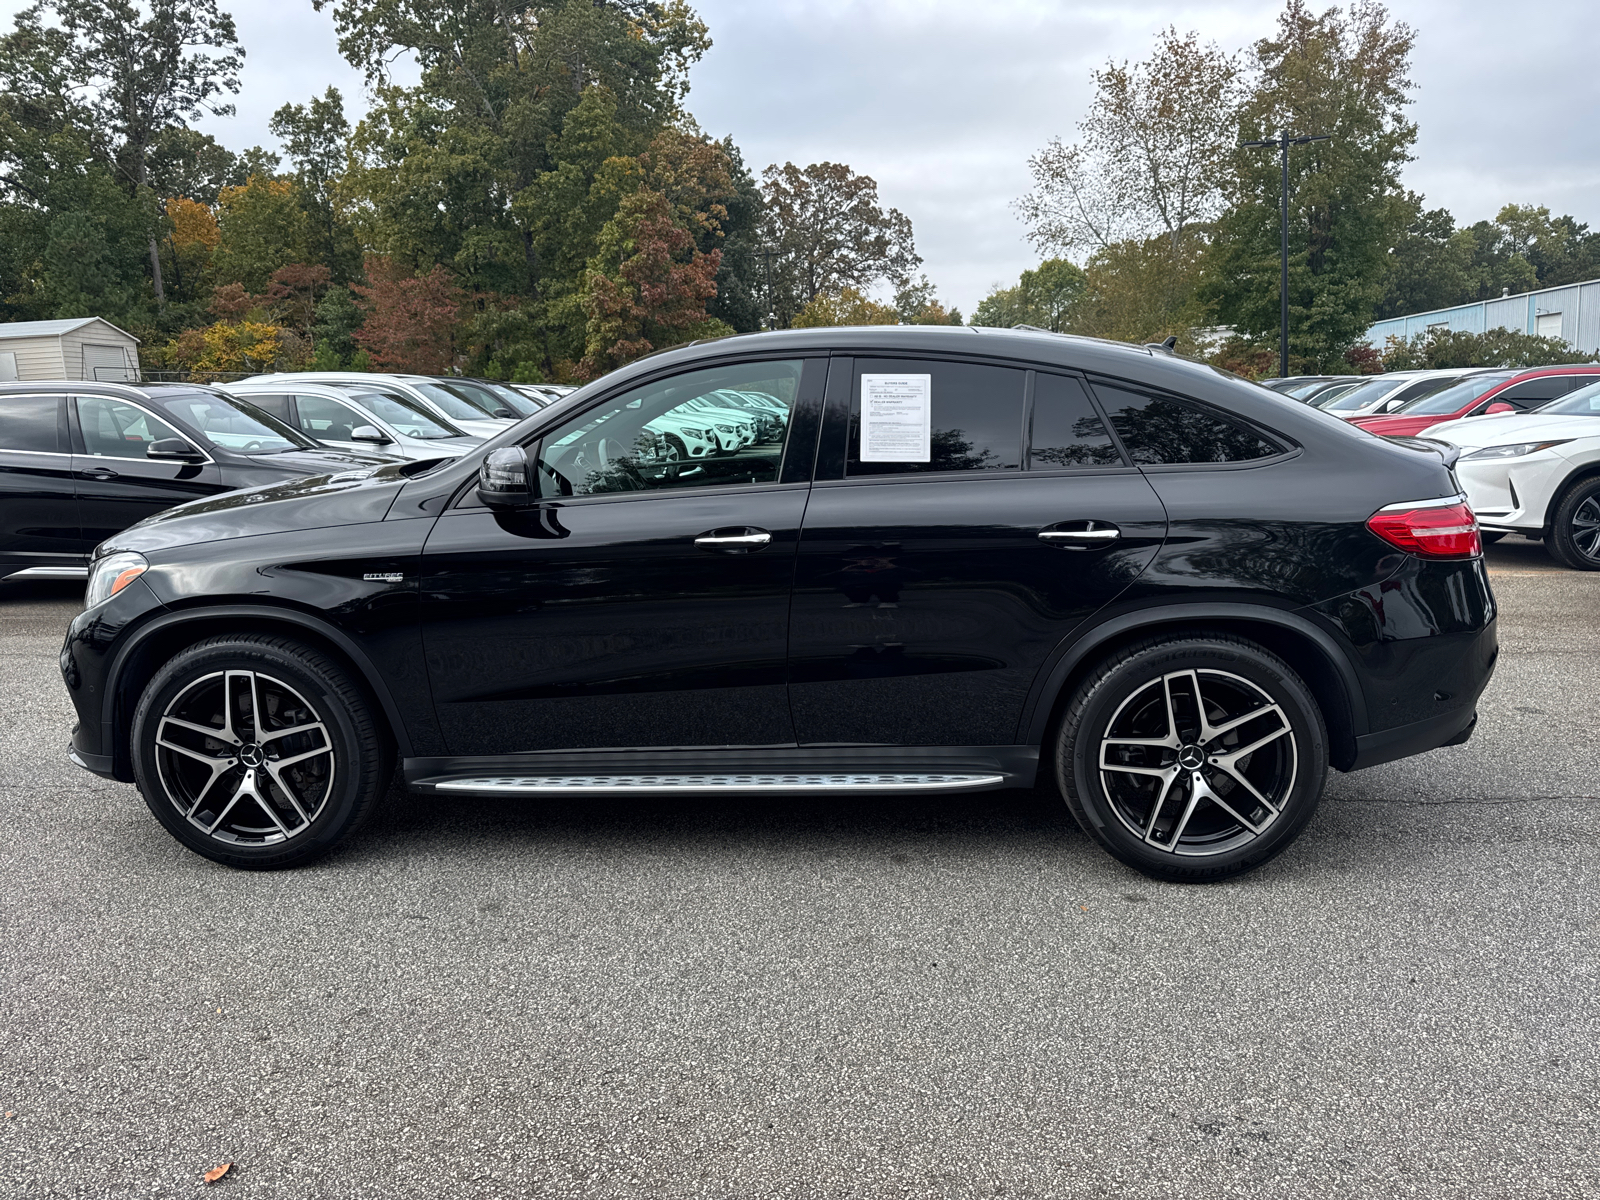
{"x": 199, "y": 441}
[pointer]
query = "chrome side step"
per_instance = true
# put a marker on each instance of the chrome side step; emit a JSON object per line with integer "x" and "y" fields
{"x": 635, "y": 785}
{"x": 49, "y": 573}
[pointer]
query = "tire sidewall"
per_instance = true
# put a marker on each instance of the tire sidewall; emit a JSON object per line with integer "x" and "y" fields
{"x": 1561, "y": 539}
{"x": 310, "y": 679}
{"x": 1086, "y": 722}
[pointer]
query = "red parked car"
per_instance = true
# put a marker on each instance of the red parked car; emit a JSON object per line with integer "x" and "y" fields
{"x": 1511, "y": 390}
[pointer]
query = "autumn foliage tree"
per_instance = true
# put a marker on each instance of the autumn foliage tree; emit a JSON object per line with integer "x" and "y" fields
{"x": 410, "y": 318}
{"x": 648, "y": 286}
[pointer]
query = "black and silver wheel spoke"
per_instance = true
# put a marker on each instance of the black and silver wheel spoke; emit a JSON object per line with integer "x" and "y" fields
{"x": 244, "y": 758}
{"x": 1198, "y": 762}
{"x": 1586, "y": 528}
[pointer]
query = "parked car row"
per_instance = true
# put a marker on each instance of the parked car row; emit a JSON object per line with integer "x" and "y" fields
{"x": 903, "y": 559}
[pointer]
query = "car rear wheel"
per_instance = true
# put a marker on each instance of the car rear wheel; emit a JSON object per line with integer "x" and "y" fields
{"x": 1574, "y": 538}
{"x": 1192, "y": 758}
{"x": 258, "y": 752}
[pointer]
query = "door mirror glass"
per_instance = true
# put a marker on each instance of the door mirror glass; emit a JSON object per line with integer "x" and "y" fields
{"x": 504, "y": 480}
{"x": 173, "y": 448}
{"x": 370, "y": 433}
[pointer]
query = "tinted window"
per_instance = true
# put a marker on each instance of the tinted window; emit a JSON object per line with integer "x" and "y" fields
{"x": 113, "y": 429}
{"x": 974, "y": 422}
{"x": 724, "y": 425}
{"x": 278, "y": 406}
{"x": 236, "y": 425}
{"x": 30, "y": 423}
{"x": 1531, "y": 393}
{"x": 327, "y": 420}
{"x": 1156, "y": 430}
{"x": 1584, "y": 402}
{"x": 1067, "y": 432}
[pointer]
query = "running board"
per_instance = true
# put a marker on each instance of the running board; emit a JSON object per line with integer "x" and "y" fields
{"x": 49, "y": 573}
{"x": 643, "y": 785}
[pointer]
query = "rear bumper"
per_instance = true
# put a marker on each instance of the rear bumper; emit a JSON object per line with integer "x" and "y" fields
{"x": 1449, "y": 729}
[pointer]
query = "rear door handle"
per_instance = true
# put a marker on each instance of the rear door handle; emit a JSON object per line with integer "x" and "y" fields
{"x": 748, "y": 539}
{"x": 1080, "y": 535}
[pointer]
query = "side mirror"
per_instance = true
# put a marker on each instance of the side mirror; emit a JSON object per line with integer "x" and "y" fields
{"x": 504, "y": 414}
{"x": 370, "y": 433}
{"x": 175, "y": 448}
{"x": 505, "y": 479}
{"x": 1499, "y": 406}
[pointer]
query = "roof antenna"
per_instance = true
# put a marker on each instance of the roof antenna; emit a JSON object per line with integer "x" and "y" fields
{"x": 1169, "y": 345}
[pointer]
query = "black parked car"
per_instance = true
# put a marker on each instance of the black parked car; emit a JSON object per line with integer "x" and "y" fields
{"x": 82, "y": 461}
{"x": 975, "y": 558}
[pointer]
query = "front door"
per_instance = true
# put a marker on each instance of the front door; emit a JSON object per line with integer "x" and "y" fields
{"x": 953, "y": 540}
{"x": 644, "y": 602}
{"x": 38, "y": 507}
{"x": 117, "y": 484}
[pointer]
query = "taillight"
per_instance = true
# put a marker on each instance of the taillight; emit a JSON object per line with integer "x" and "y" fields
{"x": 1429, "y": 528}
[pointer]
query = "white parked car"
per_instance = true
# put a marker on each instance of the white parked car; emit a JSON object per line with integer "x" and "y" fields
{"x": 1536, "y": 473}
{"x": 454, "y": 408}
{"x": 349, "y": 419}
{"x": 1385, "y": 393}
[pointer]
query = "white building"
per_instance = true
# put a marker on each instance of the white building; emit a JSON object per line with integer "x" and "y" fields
{"x": 77, "y": 348}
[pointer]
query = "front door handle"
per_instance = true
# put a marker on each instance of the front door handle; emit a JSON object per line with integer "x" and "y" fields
{"x": 98, "y": 473}
{"x": 726, "y": 539}
{"x": 1080, "y": 535}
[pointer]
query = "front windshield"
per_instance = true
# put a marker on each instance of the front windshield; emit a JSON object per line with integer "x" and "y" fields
{"x": 237, "y": 424}
{"x": 489, "y": 398}
{"x": 1363, "y": 395}
{"x": 1453, "y": 398}
{"x": 1301, "y": 390}
{"x": 457, "y": 408}
{"x": 1585, "y": 402}
{"x": 405, "y": 415}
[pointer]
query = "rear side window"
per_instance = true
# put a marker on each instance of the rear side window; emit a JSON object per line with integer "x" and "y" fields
{"x": 30, "y": 423}
{"x": 1158, "y": 430}
{"x": 1531, "y": 393}
{"x": 1067, "y": 432}
{"x": 923, "y": 415}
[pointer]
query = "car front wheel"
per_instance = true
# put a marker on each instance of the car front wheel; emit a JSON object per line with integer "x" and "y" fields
{"x": 1192, "y": 758}
{"x": 1574, "y": 539}
{"x": 257, "y": 752}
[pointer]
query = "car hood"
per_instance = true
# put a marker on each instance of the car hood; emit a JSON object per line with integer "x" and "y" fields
{"x": 321, "y": 461}
{"x": 1393, "y": 423}
{"x": 352, "y": 497}
{"x": 1473, "y": 433}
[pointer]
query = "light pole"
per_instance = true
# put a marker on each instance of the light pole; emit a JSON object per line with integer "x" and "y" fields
{"x": 1283, "y": 141}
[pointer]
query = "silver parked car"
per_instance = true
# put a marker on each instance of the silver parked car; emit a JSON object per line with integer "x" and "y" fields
{"x": 419, "y": 390}
{"x": 353, "y": 419}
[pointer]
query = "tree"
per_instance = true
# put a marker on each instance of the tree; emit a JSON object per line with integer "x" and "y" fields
{"x": 847, "y": 307}
{"x": 916, "y": 303}
{"x": 1141, "y": 291}
{"x": 1043, "y": 298}
{"x": 143, "y": 72}
{"x": 409, "y": 318}
{"x": 1430, "y": 265}
{"x": 1342, "y": 74}
{"x": 261, "y": 227}
{"x": 316, "y": 137}
{"x": 827, "y": 231}
{"x": 1441, "y": 348}
{"x": 741, "y": 297}
{"x": 1151, "y": 154}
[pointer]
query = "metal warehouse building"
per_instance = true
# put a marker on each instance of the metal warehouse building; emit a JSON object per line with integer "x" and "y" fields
{"x": 1570, "y": 312}
{"x": 77, "y": 348}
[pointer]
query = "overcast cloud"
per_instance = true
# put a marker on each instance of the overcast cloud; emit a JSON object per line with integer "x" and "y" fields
{"x": 942, "y": 102}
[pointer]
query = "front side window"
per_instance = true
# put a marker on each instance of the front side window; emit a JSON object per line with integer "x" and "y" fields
{"x": 327, "y": 420}
{"x": 676, "y": 434}
{"x": 1585, "y": 402}
{"x": 1067, "y": 432}
{"x": 30, "y": 423}
{"x": 1453, "y": 398}
{"x": 1158, "y": 430}
{"x": 1531, "y": 393}
{"x": 114, "y": 429}
{"x": 911, "y": 416}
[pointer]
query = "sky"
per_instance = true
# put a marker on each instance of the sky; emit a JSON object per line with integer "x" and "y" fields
{"x": 942, "y": 102}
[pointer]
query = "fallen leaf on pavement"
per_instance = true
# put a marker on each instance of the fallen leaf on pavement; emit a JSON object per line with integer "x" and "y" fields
{"x": 217, "y": 1173}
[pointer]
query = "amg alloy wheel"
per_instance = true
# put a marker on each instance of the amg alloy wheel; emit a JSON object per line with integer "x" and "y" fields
{"x": 257, "y": 752}
{"x": 1193, "y": 758}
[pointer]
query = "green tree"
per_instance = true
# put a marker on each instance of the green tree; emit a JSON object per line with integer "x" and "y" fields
{"x": 262, "y": 228}
{"x": 1043, "y": 298}
{"x": 1142, "y": 291}
{"x": 1441, "y": 348}
{"x": 1430, "y": 265}
{"x": 1338, "y": 73}
{"x": 316, "y": 138}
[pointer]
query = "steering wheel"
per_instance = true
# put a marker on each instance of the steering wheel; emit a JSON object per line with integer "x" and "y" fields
{"x": 251, "y": 447}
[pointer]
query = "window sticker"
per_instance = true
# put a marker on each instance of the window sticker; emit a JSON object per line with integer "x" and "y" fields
{"x": 896, "y": 416}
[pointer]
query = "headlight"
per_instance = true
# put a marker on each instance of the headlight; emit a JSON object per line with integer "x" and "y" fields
{"x": 726, "y": 428}
{"x": 109, "y": 575}
{"x": 1515, "y": 449}
{"x": 698, "y": 434}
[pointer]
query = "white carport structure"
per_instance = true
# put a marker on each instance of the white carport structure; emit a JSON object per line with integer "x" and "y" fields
{"x": 76, "y": 348}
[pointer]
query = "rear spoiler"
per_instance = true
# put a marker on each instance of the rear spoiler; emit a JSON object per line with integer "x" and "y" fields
{"x": 1443, "y": 449}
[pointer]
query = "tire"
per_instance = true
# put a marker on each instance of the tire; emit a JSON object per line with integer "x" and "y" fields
{"x": 1146, "y": 689}
{"x": 261, "y": 816}
{"x": 1574, "y": 536}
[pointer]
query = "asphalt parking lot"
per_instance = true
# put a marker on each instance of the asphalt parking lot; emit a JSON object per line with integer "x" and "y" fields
{"x": 807, "y": 998}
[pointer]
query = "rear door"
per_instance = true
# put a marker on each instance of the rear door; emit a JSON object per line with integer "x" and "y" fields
{"x": 117, "y": 485}
{"x": 945, "y": 555}
{"x": 38, "y": 504}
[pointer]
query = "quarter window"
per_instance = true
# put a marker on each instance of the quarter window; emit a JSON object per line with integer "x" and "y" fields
{"x": 1067, "y": 432}
{"x": 30, "y": 423}
{"x": 724, "y": 425}
{"x": 112, "y": 429}
{"x": 1159, "y": 430}
{"x": 974, "y": 418}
